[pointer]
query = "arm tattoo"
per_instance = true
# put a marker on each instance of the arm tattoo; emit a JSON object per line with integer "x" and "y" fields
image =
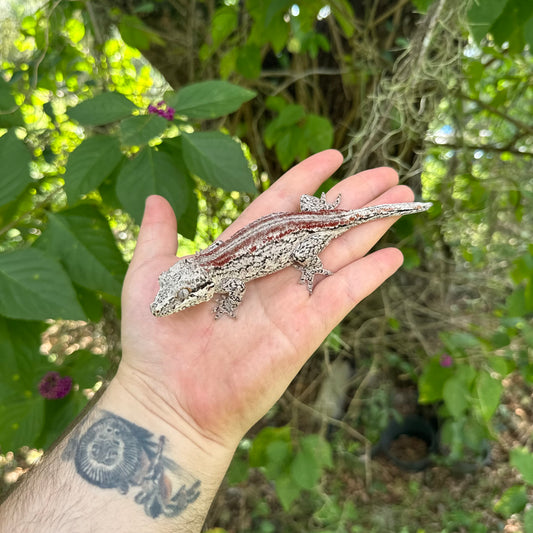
{"x": 116, "y": 454}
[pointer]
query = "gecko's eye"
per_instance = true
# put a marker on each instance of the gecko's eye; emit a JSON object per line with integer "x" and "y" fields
{"x": 183, "y": 293}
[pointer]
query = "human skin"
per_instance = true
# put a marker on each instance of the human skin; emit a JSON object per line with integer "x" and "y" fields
{"x": 188, "y": 386}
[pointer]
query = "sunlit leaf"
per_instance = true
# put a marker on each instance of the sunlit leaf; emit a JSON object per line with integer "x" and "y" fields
{"x": 208, "y": 99}
{"x": 102, "y": 109}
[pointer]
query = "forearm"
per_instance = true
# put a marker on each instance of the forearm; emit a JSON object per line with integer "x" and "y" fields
{"x": 120, "y": 468}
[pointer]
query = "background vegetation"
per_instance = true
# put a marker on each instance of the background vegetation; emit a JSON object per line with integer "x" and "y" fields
{"x": 206, "y": 102}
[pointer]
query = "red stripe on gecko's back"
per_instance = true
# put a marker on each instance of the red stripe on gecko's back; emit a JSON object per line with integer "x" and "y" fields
{"x": 270, "y": 228}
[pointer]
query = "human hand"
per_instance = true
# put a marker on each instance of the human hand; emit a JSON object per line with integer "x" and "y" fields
{"x": 213, "y": 379}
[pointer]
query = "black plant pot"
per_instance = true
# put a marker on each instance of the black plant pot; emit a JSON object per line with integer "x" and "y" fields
{"x": 421, "y": 432}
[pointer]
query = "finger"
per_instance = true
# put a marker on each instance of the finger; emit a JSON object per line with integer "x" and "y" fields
{"x": 360, "y": 189}
{"x": 358, "y": 241}
{"x": 338, "y": 294}
{"x": 284, "y": 194}
{"x": 158, "y": 232}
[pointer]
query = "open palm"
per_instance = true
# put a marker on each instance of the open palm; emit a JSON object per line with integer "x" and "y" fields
{"x": 220, "y": 376}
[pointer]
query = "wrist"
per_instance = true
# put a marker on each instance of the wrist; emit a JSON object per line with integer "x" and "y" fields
{"x": 203, "y": 458}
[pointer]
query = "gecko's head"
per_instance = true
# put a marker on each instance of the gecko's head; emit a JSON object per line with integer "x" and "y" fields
{"x": 183, "y": 285}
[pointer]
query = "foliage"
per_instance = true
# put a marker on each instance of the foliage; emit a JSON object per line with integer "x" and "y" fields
{"x": 78, "y": 149}
{"x": 101, "y": 106}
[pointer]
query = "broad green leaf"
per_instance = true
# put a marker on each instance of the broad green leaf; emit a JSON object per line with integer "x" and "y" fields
{"x": 90, "y": 164}
{"x": 248, "y": 61}
{"x": 10, "y": 115}
{"x": 489, "y": 391}
{"x": 137, "y": 34}
{"x": 522, "y": 460}
{"x": 136, "y": 131}
{"x": 15, "y": 174}
{"x": 287, "y": 490}
{"x": 278, "y": 457}
{"x": 305, "y": 470}
{"x": 102, "y": 109}
{"x": 80, "y": 237}
{"x": 432, "y": 380}
{"x": 58, "y": 414}
{"x": 188, "y": 220}
{"x": 318, "y": 133}
{"x": 34, "y": 286}
{"x": 152, "y": 172}
{"x": 85, "y": 368}
{"x": 217, "y": 159}
{"x": 513, "y": 500}
{"x": 319, "y": 447}
{"x": 208, "y": 99}
{"x": 223, "y": 24}
{"x": 20, "y": 359}
{"x": 21, "y": 421}
{"x": 259, "y": 451}
{"x": 456, "y": 397}
{"x": 482, "y": 15}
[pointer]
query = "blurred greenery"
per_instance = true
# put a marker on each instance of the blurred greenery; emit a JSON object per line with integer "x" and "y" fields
{"x": 103, "y": 103}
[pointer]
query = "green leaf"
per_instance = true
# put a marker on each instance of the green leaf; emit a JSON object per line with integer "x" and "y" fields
{"x": 208, "y": 99}
{"x": 80, "y": 237}
{"x": 287, "y": 490}
{"x": 482, "y": 15}
{"x": 518, "y": 304}
{"x": 305, "y": 471}
{"x": 34, "y": 286}
{"x": 319, "y": 447}
{"x": 21, "y": 421}
{"x": 248, "y": 61}
{"x": 422, "y": 5}
{"x": 90, "y": 164}
{"x": 513, "y": 500}
{"x": 137, "y": 34}
{"x": 102, "y": 109}
{"x": 136, "y": 131}
{"x": 15, "y": 159}
{"x": 217, "y": 159}
{"x": 20, "y": 361}
{"x": 85, "y": 368}
{"x": 259, "y": 451}
{"x": 152, "y": 172}
{"x": 10, "y": 115}
{"x": 432, "y": 380}
{"x": 522, "y": 460}
{"x": 456, "y": 396}
{"x": 278, "y": 457}
{"x": 318, "y": 133}
{"x": 223, "y": 24}
{"x": 489, "y": 391}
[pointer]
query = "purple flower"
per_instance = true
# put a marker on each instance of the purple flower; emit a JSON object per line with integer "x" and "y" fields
{"x": 446, "y": 360}
{"x": 162, "y": 110}
{"x": 52, "y": 386}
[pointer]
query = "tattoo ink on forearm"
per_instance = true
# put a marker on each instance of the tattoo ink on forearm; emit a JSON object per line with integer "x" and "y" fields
{"x": 116, "y": 454}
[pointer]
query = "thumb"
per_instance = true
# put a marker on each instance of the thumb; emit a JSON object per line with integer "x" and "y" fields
{"x": 158, "y": 232}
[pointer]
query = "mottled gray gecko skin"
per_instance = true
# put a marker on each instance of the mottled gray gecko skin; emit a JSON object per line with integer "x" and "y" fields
{"x": 268, "y": 244}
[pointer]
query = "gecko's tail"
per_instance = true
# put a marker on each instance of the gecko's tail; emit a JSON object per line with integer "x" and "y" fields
{"x": 375, "y": 212}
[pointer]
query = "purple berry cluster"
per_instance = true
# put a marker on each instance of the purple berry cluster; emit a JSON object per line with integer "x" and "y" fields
{"x": 52, "y": 386}
{"x": 162, "y": 110}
